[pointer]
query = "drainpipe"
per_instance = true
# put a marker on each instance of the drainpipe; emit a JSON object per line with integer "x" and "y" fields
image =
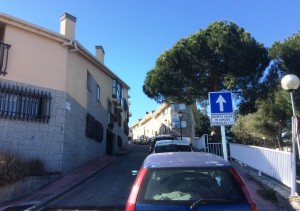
{"x": 71, "y": 43}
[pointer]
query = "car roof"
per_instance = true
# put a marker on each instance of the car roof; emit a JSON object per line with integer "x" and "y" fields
{"x": 184, "y": 159}
{"x": 168, "y": 142}
{"x": 164, "y": 136}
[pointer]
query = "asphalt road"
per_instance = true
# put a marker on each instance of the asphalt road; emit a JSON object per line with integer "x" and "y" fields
{"x": 108, "y": 189}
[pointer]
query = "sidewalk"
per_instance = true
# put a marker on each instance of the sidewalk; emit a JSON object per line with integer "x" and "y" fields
{"x": 38, "y": 199}
{"x": 285, "y": 202}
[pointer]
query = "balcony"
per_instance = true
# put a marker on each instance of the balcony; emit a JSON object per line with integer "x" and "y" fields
{"x": 3, "y": 57}
{"x": 120, "y": 108}
{"x": 115, "y": 100}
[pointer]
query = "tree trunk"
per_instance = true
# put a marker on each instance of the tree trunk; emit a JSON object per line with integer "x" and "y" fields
{"x": 216, "y": 137}
{"x": 279, "y": 139}
{"x": 215, "y": 88}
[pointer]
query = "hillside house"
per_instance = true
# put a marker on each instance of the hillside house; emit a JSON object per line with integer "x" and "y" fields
{"x": 58, "y": 102}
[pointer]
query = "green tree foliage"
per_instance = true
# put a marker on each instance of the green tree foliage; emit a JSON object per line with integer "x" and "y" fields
{"x": 223, "y": 56}
{"x": 272, "y": 117}
{"x": 203, "y": 126}
{"x": 286, "y": 55}
{"x": 286, "y": 60}
{"x": 274, "y": 108}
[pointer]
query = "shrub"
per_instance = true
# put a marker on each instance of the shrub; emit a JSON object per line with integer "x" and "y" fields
{"x": 12, "y": 168}
{"x": 36, "y": 168}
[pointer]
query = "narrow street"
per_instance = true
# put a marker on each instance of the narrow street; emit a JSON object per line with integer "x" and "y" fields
{"x": 109, "y": 188}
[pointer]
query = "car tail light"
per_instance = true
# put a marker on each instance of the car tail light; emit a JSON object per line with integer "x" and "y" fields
{"x": 130, "y": 205}
{"x": 248, "y": 195}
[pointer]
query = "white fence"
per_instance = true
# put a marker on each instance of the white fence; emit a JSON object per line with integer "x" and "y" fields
{"x": 276, "y": 164}
{"x": 202, "y": 144}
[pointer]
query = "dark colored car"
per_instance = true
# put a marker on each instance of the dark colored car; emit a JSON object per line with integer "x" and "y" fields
{"x": 159, "y": 138}
{"x": 188, "y": 181}
{"x": 172, "y": 146}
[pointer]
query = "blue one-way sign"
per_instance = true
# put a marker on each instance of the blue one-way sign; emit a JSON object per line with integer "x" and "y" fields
{"x": 220, "y": 102}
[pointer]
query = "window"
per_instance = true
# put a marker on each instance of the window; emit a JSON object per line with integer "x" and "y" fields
{"x": 175, "y": 117}
{"x": 177, "y": 124}
{"x": 177, "y": 107}
{"x": 3, "y": 57}
{"x": 118, "y": 91}
{"x": 186, "y": 185}
{"x": 24, "y": 104}
{"x": 98, "y": 93}
{"x": 90, "y": 126}
{"x": 89, "y": 81}
{"x": 114, "y": 88}
{"x": 93, "y": 128}
{"x": 172, "y": 148}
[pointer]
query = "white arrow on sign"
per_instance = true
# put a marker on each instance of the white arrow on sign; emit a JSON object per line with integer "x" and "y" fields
{"x": 221, "y": 100}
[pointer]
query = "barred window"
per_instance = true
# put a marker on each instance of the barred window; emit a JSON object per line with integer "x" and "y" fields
{"x": 3, "y": 56}
{"x": 24, "y": 104}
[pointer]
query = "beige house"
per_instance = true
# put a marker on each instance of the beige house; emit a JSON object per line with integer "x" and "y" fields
{"x": 166, "y": 120}
{"x": 58, "y": 102}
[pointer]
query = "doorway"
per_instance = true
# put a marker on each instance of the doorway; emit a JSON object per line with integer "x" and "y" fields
{"x": 110, "y": 137}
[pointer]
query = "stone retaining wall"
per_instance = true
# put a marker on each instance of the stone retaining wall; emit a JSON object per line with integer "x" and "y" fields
{"x": 25, "y": 186}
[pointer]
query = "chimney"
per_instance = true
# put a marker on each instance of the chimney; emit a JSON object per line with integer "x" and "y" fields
{"x": 67, "y": 25}
{"x": 100, "y": 53}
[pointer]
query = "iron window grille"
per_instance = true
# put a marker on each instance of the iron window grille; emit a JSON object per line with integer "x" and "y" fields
{"x": 94, "y": 129}
{"x": 3, "y": 57}
{"x": 24, "y": 104}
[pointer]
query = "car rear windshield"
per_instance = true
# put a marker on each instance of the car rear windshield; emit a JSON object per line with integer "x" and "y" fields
{"x": 164, "y": 138}
{"x": 172, "y": 148}
{"x": 187, "y": 185}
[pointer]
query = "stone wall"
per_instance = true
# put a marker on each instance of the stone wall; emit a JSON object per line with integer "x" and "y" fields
{"x": 25, "y": 186}
{"x": 36, "y": 140}
{"x": 61, "y": 144}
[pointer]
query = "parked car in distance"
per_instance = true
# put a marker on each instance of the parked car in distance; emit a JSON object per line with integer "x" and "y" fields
{"x": 172, "y": 146}
{"x": 159, "y": 138}
{"x": 188, "y": 181}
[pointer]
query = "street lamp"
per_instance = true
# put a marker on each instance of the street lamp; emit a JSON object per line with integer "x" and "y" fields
{"x": 180, "y": 116}
{"x": 291, "y": 83}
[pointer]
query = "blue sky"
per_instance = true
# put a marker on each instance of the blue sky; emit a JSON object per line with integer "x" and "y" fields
{"x": 134, "y": 33}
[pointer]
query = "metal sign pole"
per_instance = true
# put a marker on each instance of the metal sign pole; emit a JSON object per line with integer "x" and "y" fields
{"x": 224, "y": 144}
{"x": 293, "y": 160}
